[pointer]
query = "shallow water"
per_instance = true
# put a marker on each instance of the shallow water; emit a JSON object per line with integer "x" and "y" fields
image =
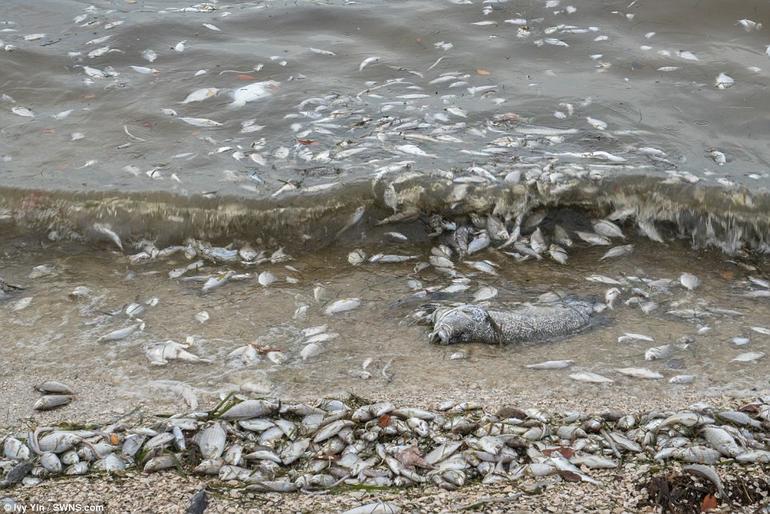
{"x": 56, "y": 337}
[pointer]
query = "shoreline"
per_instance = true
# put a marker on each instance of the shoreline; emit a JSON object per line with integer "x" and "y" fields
{"x": 462, "y": 457}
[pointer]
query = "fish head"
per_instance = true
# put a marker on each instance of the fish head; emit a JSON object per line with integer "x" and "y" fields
{"x": 460, "y": 325}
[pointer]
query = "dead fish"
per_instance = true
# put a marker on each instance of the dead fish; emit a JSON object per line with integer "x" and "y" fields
{"x": 749, "y": 357}
{"x": 483, "y": 266}
{"x": 52, "y": 401}
{"x": 618, "y": 251}
{"x": 648, "y": 229}
{"x": 201, "y": 122}
{"x": 474, "y": 323}
{"x": 593, "y": 239}
{"x": 107, "y": 231}
{"x": 160, "y": 353}
{"x": 658, "y": 352}
{"x": 122, "y": 333}
{"x": 707, "y": 473}
{"x": 366, "y": 62}
{"x": 551, "y": 365}
{"x": 250, "y": 409}
{"x": 201, "y": 94}
{"x": 485, "y": 293}
{"x": 537, "y": 241}
{"x": 391, "y": 259}
{"x": 217, "y": 281}
{"x": 211, "y": 441}
{"x": 721, "y": 440}
{"x": 266, "y": 278}
{"x": 631, "y": 337}
{"x": 639, "y": 373}
{"x": 607, "y": 228}
{"x": 51, "y": 386}
{"x": 253, "y": 92}
{"x": 682, "y": 379}
{"x": 593, "y": 378}
{"x": 354, "y": 219}
{"x": 724, "y": 81}
{"x": 344, "y": 305}
{"x": 689, "y": 281}
{"x": 23, "y": 111}
{"x": 610, "y": 296}
{"x": 558, "y": 254}
{"x": 160, "y": 463}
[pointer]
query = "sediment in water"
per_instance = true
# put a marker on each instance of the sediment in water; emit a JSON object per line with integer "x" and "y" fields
{"x": 732, "y": 220}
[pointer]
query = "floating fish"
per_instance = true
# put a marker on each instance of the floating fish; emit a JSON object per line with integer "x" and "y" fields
{"x": 253, "y": 92}
{"x": 201, "y": 122}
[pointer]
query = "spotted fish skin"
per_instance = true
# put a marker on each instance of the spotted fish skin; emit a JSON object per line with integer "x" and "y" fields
{"x": 529, "y": 323}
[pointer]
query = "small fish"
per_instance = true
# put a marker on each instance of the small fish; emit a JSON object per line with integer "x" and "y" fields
{"x": 212, "y": 27}
{"x": 639, "y": 373}
{"x": 144, "y": 70}
{"x": 122, "y": 333}
{"x": 201, "y": 94}
{"x": 201, "y": 122}
{"x": 761, "y": 330}
{"x": 558, "y": 254}
{"x": 682, "y": 379}
{"x": 724, "y": 81}
{"x": 483, "y": 266}
{"x": 107, "y": 231}
{"x": 648, "y": 229}
{"x": 344, "y": 305}
{"x": 366, "y": 62}
{"x": 591, "y": 378}
{"x": 52, "y": 401}
{"x": 718, "y": 157}
{"x": 266, "y": 278}
{"x": 551, "y": 365}
{"x": 597, "y": 124}
{"x": 23, "y": 111}
{"x": 631, "y": 337}
{"x": 357, "y": 257}
{"x": 357, "y": 216}
{"x": 749, "y": 357}
{"x": 658, "y": 352}
{"x": 689, "y": 281}
{"x": 414, "y": 150}
{"x": 593, "y": 239}
{"x": 618, "y": 251}
{"x": 322, "y": 52}
{"x": 484, "y": 293}
{"x": 253, "y": 92}
{"x": 610, "y": 296}
{"x": 607, "y": 228}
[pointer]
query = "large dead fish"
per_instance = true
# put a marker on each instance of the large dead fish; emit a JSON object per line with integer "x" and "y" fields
{"x": 527, "y": 323}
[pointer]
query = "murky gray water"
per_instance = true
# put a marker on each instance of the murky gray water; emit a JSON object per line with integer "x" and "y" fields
{"x": 98, "y": 90}
{"x": 133, "y": 116}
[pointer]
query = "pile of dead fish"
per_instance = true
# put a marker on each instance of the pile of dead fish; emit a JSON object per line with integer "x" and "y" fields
{"x": 267, "y": 445}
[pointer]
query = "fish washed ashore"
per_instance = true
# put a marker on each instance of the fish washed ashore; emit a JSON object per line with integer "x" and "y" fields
{"x": 245, "y": 448}
{"x": 216, "y": 217}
